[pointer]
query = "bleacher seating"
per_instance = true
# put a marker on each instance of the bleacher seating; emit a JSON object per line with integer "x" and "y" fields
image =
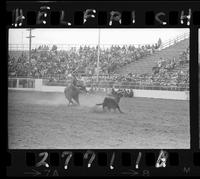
{"x": 54, "y": 65}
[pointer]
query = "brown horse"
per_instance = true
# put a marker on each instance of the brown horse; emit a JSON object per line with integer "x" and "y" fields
{"x": 72, "y": 93}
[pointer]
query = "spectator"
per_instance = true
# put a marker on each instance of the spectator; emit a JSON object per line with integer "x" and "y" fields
{"x": 55, "y": 64}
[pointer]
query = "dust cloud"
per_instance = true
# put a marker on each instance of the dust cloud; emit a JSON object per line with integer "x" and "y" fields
{"x": 57, "y": 99}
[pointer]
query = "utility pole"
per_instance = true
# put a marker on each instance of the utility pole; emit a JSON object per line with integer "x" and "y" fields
{"x": 98, "y": 55}
{"x": 30, "y": 41}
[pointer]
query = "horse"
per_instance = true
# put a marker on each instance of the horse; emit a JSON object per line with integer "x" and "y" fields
{"x": 72, "y": 93}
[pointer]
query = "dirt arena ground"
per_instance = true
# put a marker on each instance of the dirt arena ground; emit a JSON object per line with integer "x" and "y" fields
{"x": 41, "y": 120}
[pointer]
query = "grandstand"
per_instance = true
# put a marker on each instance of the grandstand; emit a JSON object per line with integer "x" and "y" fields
{"x": 17, "y": 53}
{"x": 126, "y": 66}
{"x": 145, "y": 64}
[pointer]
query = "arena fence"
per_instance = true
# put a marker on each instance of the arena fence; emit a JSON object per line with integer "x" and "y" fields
{"x": 126, "y": 85}
{"x": 39, "y": 85}
{"x": 104, "y": 82}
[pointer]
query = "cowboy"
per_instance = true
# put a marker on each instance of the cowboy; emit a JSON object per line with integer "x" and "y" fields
{"x": 74, "y": 79}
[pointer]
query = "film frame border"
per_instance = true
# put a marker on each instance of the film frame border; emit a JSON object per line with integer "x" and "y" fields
{"x": 189, "y": 155}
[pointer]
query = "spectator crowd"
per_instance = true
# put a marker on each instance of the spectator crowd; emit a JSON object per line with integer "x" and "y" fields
{"x": 56, "y": 64}
{"x": 45, "y": 62}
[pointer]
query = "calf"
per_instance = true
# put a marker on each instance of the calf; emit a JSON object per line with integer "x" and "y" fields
{"x": 112, "y": 103}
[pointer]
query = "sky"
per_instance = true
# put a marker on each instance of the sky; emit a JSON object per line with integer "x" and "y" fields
{"x": 85, "y": 36}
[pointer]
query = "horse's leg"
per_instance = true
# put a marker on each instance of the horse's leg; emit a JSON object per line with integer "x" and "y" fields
{"x": 119, "y": 109}
{"x": 70, "y": 101}
{"x": 103, "y": 108}
{"x": 77, "y": 100}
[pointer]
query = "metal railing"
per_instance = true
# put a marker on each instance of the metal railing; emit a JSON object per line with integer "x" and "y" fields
{"x": 173, "y": 41}
{"x": 180, "y": 87}
{"x": 29, "y": 83}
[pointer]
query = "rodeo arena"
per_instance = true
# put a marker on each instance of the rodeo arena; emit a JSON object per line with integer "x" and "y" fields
{"x": 88, "y": 97}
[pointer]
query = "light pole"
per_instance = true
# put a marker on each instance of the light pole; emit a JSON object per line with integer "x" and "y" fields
{"x": 98, "y": 55}
{"x": 30, "y": 41}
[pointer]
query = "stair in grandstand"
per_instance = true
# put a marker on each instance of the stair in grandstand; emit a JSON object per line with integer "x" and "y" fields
{"x": 144, "y": 65}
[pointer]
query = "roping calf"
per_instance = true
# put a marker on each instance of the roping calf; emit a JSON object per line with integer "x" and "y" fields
{"x": 112, "y": 102}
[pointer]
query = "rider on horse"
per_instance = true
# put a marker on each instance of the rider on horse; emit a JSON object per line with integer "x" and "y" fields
{"x": 71, "y": 80}
{"x": 74, "y": 79}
